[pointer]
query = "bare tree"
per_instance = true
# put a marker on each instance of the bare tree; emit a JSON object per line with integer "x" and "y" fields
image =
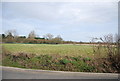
{"x": 11, "y": 33}
{"x": 11, "y": 36}
{"x": 48, "y": 36}
{"x": 58, "y": 39}
{"x": 32, "y": 34}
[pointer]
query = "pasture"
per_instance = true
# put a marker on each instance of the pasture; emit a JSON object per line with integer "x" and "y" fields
{"x": 51, "y": 49}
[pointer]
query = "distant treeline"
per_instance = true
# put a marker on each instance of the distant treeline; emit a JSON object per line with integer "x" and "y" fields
{"x": 35, "y": 40}
{"x": 11, "y": 36}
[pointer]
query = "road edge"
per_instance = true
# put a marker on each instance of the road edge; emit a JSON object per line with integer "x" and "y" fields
{"x": 35, "y": 70}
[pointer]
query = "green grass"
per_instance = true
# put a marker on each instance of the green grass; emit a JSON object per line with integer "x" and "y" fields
{"x": 47, "y": 62}
{"x": 49, "y": 49}
{"x": 60, "y": 57}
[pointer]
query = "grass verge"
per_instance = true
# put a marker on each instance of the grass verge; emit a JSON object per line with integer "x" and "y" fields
{"x": 57, "y": 63}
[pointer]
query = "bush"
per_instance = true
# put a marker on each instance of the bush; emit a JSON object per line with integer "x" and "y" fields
{"x": 64, "y": 61}
{"x": 110, "y": 63}
{"x": 87, "y": 59}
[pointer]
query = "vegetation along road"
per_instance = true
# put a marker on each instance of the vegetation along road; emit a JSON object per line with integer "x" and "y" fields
{"x": 61, "y": 57}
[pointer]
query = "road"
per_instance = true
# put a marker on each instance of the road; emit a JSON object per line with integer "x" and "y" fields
{"x": 17, "y": 73}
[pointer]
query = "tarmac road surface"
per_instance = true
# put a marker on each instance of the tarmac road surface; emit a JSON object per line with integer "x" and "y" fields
{"x": 17, "y": 73}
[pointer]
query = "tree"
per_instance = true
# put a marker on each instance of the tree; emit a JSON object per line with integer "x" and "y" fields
{"x": 32, "y": 35}
{"x": 57, "y": 40}
{"x": 48, "y": 36}
{"x": 117, "y": 38}
{"x": 12, "y": 33}
{"x": 3, "y": 36}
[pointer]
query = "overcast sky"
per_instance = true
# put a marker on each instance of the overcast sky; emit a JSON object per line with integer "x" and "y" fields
{"x": 76, "y": 21}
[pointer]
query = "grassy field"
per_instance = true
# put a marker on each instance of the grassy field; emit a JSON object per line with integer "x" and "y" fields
{"x": 61, "y": 49}
{"x": 60, "y": 57}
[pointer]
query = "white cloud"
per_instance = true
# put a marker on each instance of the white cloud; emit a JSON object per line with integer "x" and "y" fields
{"x": 90, "y": 12}
{"x": 60, "y": 0}
{"x": 20, "y": 27}
{"x": 64, "y": 12}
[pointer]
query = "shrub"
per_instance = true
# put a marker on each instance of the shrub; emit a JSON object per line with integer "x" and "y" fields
{"x": 64, "y": 61}
{"x": 87, "y": 59}
{"x": 111, "y": 49}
